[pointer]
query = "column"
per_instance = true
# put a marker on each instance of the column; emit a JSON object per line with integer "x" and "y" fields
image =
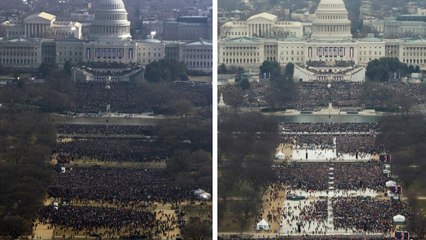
{"x": 269, "y": 30}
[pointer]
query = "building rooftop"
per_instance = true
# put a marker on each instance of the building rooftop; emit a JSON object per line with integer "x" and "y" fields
{"x": 264, "y": 15}
{"x": 41, "y": 16}
{"x": 201, "y": 42}
{"x": 242, "y": 40}
{"x": 410, "y": 17}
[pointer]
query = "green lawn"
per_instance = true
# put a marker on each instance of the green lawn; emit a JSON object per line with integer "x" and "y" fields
{"x": 202, "y": 211}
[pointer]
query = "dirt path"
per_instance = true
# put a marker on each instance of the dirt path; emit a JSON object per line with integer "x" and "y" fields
{"x": 273, "y": 200}
{"x": 41, "y": 230}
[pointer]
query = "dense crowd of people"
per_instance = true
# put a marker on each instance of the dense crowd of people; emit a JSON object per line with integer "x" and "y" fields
{"x": 94, "y": 97}
{"x": 113, "y": 220}
{"x": 110, "y": 149}
{"x": 119, "y": 185}
{"x": 198, "y": 93}
{"x": 314, "y": 176}
{"x": 359, "y": 175}
{"x": 104, "y": 129}
{"x": 367, "y": 214}
{"x": 303, "y": 175}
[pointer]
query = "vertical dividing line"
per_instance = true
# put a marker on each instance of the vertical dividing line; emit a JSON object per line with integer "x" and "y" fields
{"x": 214, "y": 119}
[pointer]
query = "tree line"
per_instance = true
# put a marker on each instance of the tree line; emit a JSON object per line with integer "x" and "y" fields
{"x": 246, "y": 149}
{"x": 26, "y": 141}
{"x": 404, "y": 136}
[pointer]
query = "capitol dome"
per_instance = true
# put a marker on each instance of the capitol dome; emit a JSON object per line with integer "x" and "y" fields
{"x": 331, "y": 21}
{"x": 332, "y": 4}
{"x": 110, "y": 22}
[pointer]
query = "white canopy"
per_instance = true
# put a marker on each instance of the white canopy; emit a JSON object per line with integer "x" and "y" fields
{"x": 279, "y": 155}
{"x": 205, "y": 196}
{"x": 199, "y": 191}
{"x": 262, "y": 225}
{"x": 399, "y": 219}
{"x": 390, "y": 184}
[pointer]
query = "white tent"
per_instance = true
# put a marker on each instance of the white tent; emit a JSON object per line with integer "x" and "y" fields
{"x": 202, "y": 195}
{"x": 262, "y": 225}
{"x": 390, "y": 184}
{"x": 199, "y": 191}
{"x": 205, "y": 196}
{"x": 279, "y": 155}
{"x": 399, "y": 219}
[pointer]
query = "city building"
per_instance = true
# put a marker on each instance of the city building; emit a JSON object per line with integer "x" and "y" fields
{"x": 197, "y": 56}
{"x": 261, "y": 25}
{"x": 20, "y": 52}
{"x": 373, "y": 24}
{"x": 188, "y": 28}
{"x": 405, "y": 26}
{"x": 150, "y": 50}
{"x": 329, "y": 54}
{"x": 302, "y": 15}
{"x": 366, "y": 8}
{"x": 421, "y": 11}
{"x": 69, "y": 50}
{"x": 108, "y": 42}
{"x": 41, "y": 25}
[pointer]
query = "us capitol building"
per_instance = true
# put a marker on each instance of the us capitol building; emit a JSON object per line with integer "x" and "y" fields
{"x": 328, "y": 53}
{"x": 37, "y": 40}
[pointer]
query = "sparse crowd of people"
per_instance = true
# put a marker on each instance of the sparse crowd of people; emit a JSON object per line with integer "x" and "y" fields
{"x": 328, "y": 127}
{"x": 310, "y": 95}
{"x": 347, "y": 138}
